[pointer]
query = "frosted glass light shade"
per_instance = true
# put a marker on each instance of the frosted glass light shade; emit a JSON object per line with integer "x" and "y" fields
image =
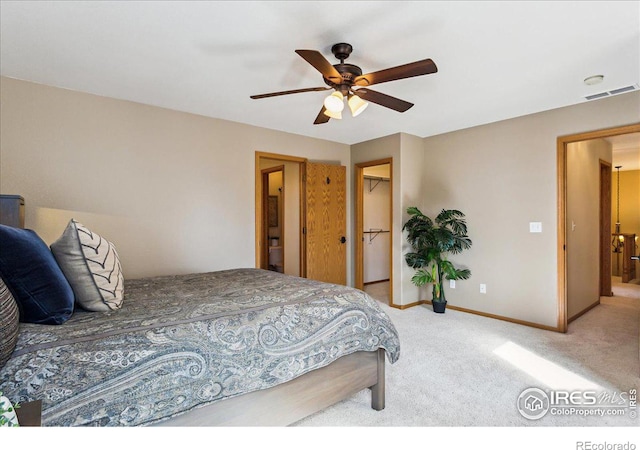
{"x": 332, "y": 114}
{"x": 357, "y": 105}
{"x": 334, "y": 102}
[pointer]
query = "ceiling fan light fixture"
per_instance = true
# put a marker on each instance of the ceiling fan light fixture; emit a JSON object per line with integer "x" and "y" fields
{"x": 343, "y": 77}
{"x": 356, "y": 105}
{"x": 334, "y": 102}
{"x": 333, "y": 114}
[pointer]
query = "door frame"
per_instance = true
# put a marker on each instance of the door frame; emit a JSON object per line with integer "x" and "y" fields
{"x": 561, "y": 156}
{"x": 359, "y": 222}
{"x": 260, "y": 243}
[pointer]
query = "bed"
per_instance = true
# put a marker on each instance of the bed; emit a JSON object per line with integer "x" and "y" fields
{"x": 245, "y": 347}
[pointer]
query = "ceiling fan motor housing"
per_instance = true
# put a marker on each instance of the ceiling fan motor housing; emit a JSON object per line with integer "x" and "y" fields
{"x": 348, "y": 71}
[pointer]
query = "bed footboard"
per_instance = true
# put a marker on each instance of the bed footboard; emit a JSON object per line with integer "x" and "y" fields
{"x": 294, "y": 400}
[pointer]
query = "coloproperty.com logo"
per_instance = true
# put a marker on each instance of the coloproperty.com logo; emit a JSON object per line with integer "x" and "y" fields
{"x": 534, "y": 403}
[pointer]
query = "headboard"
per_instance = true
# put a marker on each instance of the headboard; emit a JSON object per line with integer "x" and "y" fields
{"x": 12, "y": 210}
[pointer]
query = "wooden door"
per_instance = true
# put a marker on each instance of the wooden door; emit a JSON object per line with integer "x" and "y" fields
{"x": 326, "y": 222}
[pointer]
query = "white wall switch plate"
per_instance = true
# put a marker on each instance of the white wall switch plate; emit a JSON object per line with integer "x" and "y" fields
{"x": 483, "y": 288}
{"x": 452, "y": 284}
{"x": 535, "y": 227}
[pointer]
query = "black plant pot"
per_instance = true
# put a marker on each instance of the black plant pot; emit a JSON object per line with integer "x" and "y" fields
{"x": 439, "y": 307}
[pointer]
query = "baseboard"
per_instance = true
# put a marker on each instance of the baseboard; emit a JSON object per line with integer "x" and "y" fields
{"x": 410, "y": 305}
{"x": 484, "y": 314}
{"x": 587, "y": 309}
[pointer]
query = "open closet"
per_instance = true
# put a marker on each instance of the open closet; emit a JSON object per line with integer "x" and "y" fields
{"x": 374, "y": 229}
{"x": 376, "y": 220}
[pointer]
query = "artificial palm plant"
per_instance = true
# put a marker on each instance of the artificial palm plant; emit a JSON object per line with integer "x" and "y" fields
{"x": 431, "y": 242}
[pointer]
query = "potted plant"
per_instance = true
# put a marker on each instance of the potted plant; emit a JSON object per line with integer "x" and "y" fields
{"x": 431, "y": 242}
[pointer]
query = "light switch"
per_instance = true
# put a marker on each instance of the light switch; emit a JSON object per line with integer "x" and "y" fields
{"x": 535, "y": 227}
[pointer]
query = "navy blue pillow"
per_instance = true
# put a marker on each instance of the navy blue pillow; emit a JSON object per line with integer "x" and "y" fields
{"x": 34, "y": 278}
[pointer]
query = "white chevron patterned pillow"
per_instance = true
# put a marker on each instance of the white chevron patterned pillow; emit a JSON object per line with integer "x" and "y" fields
{"x": 92, "y": 266}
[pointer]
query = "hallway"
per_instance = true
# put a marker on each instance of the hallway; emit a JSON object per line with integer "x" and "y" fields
{"x": 629, "y": 290}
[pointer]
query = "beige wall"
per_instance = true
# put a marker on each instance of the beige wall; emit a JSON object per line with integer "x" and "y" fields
{"x": 173, "y": 191}
{"x": 502, "y": 176}
{"x": 629, "y": 208}
{"x": 583, "y": 222}
{"x": 413, "y": 193}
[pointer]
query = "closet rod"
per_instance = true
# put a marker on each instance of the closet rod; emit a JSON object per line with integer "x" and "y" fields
{"x": 374, "y": 233}
{"x": 378, "y": 180}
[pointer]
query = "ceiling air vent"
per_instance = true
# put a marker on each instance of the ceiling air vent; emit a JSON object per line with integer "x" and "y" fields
{"x": 595, "y": 96}
{"x": 624, "y": 89}
{"x": 621, "y": 90}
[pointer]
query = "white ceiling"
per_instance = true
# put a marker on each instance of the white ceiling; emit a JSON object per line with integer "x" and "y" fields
{"x": 496, "y": 60}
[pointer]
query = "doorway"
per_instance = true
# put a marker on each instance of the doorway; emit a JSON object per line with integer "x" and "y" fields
{"x": 625, "y": 223}
{"x": 273, "y": 219}
{"x": 279, "y": 213}
{"x": 605, "y": 229}
{"x": 314, "y": 225}
{"x": 374, "y": 229}
{"x": 562, "y": 249}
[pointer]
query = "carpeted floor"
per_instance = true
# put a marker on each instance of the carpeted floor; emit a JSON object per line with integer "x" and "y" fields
{"x": 630, "y": 289}
{"x": 463, "y": 370}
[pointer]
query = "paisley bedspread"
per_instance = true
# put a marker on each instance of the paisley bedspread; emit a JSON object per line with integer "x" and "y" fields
{"x": 182, "y": 342}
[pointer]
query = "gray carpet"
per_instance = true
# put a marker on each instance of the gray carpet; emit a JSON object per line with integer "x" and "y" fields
{"x": 630, "y": 289}
{"x": 463, "y": 370}
{"x": 450, "y": 389}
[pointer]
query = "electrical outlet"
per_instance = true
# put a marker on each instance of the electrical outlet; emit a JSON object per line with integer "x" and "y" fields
{"x": 452, "y": 284}
{"x": 483, "y": 288}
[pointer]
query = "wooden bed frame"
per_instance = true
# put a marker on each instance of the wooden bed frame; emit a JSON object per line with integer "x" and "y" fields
{"x": 294, "y": 400}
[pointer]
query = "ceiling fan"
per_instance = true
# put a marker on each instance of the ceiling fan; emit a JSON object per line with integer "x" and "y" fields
{"x": 343, "y": 77}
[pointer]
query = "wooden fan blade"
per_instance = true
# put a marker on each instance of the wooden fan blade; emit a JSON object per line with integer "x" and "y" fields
{"x": 295, "y": 91}
{"x": 322, "y": 117}
{"x": 321, "y": 64}
{"x": 383, "y": 99}
{"x": 424, "y": 67}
